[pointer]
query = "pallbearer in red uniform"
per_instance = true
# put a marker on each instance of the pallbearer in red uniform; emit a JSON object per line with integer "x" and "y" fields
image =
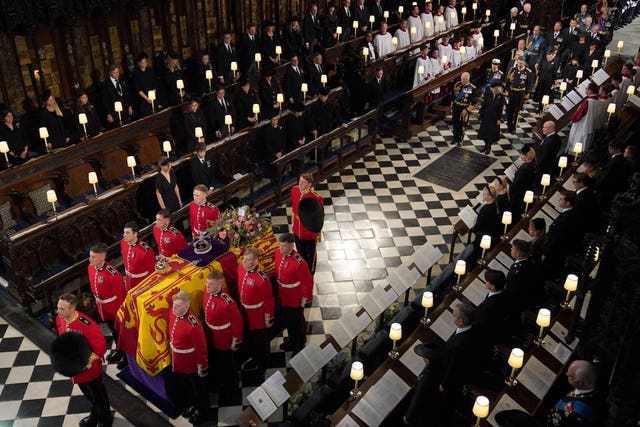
{"x": 257, "y": 302}
{"x": 295, "y": 289}
{"x": 225, "y": 328}
{"x": 168, "y": 239}
{"x": 188, "y": 359}
{"x": 307, "y": 219}
{"x": 201, "y": 212}
{"x": 107, "y": 287}
{"x": 138, "y": 258}
{"x": 89, "y": 380}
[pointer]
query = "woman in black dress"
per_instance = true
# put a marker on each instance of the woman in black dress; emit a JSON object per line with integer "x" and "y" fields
{"x": 144, "y": 81}
{"x": 194, "y": 118}
{"x": 167, "y": 190}
{"x": 52, "y": 118}
{"x": 329, "y": 27}
{"x": 522, "y": 181}
{"x": 488, "y": 221}
{"x": 94, "y": 127}
{"x": 490, "y": 116}
{"x": 270, "y": 40}
{"x": 502, "y": 194}
{"x": 15, "y": 137}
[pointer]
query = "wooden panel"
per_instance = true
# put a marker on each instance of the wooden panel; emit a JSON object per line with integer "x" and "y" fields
{"x": 78, "y": 181}
{"x": 115, "y": 165}
{"x": 150, "y": 151}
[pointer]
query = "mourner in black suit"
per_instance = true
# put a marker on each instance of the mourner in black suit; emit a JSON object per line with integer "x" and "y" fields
{"x": 490, "y": 317}
{"x": 244, "y": 99}
{"x": 564, "y": 237}
{"x": 426, "y": 396}
{"x": 194, "y": 118}
{"x": 325, "y": 115}
{"x": 247, "y": 49}
{"x": 268, "y": 90}
{"x": 295, "y": 126}
{"x": 115, "y": 90}
{"x": 376, "y": 89}
{"x": 345, "y": 20}
{"x": 217, "y": 108}
{"x": 198, "y": 83}
{"x": 614, "y": 176}
{"x": 294, "y": 77}
{"x": 275, "y": 140}
{"x": 522, "y": 181}
{"x": 202, "y": 169}
{"x": 525, "y": 286}
{"x": 547, "y": 151}
{"x": 225, "y": 55}
{"x": 316, "y": 70}
{"x": 586, "y": 206}
{"x": 361, "y": 14}
{"x": 311, "y": 28}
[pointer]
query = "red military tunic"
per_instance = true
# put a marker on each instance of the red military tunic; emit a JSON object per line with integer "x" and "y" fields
{"x": 188, "y": 344}
{"x": 169, "y": 241}
{"x": 222, "y": 316}
{"x": 299, "y": 229}
{"x": 256, "y": 297}
{"x": 91, "y": 331}
{"x": 294, "y": 279}
{"x": 108, "y": 288}
{"x": 199, "y": 215}
{"x": 139, "y": 261}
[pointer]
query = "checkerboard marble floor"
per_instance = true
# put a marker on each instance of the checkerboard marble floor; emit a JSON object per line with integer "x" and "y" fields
{"x": 377, "y": 213}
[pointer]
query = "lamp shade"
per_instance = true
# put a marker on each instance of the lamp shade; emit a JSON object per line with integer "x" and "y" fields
{"x": 355, "y": 25}
{"x": 611, "y": 108}
{"x": 413, "y": 31}
{"x": 512, "y": 26}
{"x": 256, "y": 108}
{"x": 4, "y": 147}
{"x": 117, "y": 106}
{"x": 338, "y": 30}
{"x": 544, "y": 318}
{"x": 395, "y": 332}
{"x": 631, "y": 90}
{"x": 44, "y": 132}
{"x": 420, "y": 69}
{"x": 496, "y": 33}
{"x": 594, "y": 63}
{"x": 304, "y": 87}
{"x": 400, "y": 9}
{"x": 562, "y": 162}
{"x": 485, "y": 242}
{"x": 131, "y": 161}
{"x": 278, "y": 50}
{"x": 394, "y": 41}
{"x": 578, "y": 147}
{"x": 545, "y": 100}
{"x": 474, "y": 6}
{"x": 620, "y": 44}
{"x": 280, "y": 98}
{"x": 545, "y": 180}
{"x": 198, "y": 132}
{"x": 444, "y": 59}
{"x": 51, "y": 196}
{"x": 481, "y": 405}
{"x": 166, "y": 146}
{"x": 480, "y": 42}
{"x": 234, "y": 66}
{"x": 385, "y": 14}
{"x": 463, "y": 50}
{"x": 365, "y": 51}
{"x": 563, "y": 86}
{"x": 257, "y": 57}
{"x": 571, "y": 283}
{"x": 506, "y": 217}
{"x": 357, "y": 371}
{"x": 180, "y": 84}
{"x": 453, "y": 15}
{"x": 516, "y": 358}
{"x": 440, "y": 19}
{"x": 208, "y": 74}
{"x": 579, "y": 74}
{"x": 461, "y": 267}
{"x": 227, "y": 119}
{"x": 151, "y": 95}
{"x": 427, "y": 25}
{"x": 93, "y": 178}
{"x": 607, "y": 53}
{"x": 488, "y": 13}
{"x": 372, "y": 19}
{"x": 528, "y": 196}
{"x": 464, "y": 10}
{"x": 323, "y": 78}
{"x": 82, "y": 119}
{"x": 427, "y": 299}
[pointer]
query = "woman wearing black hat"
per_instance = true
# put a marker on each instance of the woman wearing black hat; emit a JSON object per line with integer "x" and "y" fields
{"x": 15, "y": 137}
{"x": 93, "y": 125}
{"x": 52, "y": 118}
{"x": 144, "y": 82}
{"x": 491, "y": 116}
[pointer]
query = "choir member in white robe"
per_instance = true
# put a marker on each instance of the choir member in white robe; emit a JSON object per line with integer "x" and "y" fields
{"x": 424, "y": 62}
{"x": 427, "y": 20}
{"x": 451, "y": 15}
{"x": 436, "y": 67}
{"x": 439, "y": 22}
{"x": 445, "y": 48}
{"x": 382, "y": 42}
{"x": 415, "y": 22}
{"x": 470, "y": 50}
{"x": 478, "y": 40}
{"x": 456, "y": 56}
{"x": 402, "y": 35}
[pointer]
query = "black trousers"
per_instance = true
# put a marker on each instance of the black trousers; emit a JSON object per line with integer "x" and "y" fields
{"x": 95, "y": 392}
{"x": 222, "y": 372}
{"x": 516, "y": 99}
{"x": 307, "y": 250}
{"x": 258, "y": 347}
{"x": 114, "y": 332}
{"x": 293, "y": 318}
{"x": 188, "y": 390}
{"x": 456, "y": 113}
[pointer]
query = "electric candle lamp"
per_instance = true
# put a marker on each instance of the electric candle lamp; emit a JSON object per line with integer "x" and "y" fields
{"x": 420, "y": 70}
{"x": 516, "y": 359}
{"x": 278, "y": 52}
{"x": 166, "y": 147}
{"x": 52, "y": 198}
{"x": 82, "y": 119}
{"x": 463, "y": 51}
{"x": 152, "y": 97}
{"x": 427, "y": 26}
{"x": 545, "y": 181}
{"x": 228, "y": 121}
{"x": 545, "y": 101}
{"x": 496, "y": 34}
{"x": 117, "y": 107}
{"x": 356, "y": 374}
{"x": 452, "y": 15}
{"x": 413, "y": 31}
{"x": 480, "y": 408}
{"x": 512, "y": 28}
{"x": 400, "y": 10}
{"x": 365, "y": 53}
{"x": 198, "y": 133}
{"x": 256, "y": 110}
{"x": 485, "y": 243}
{"x": 543, "y": 320}
{"x": 208, "y": 74}
{"x": 385, "y": 14}
{"x": 563, "y": 88}
{"x": 234, "y": 68}
{"x": 488, "y": 13}
{"x": 460, "y": 270}
{"x": 570, "y": 285}
{"x": 131, "y": 162}
{"x": 577, "y": 149}
{"x": 93, "y": 180}
{"x": 304, "y": 88}
{"x": 594, "y": 65}
{"x": 620, "y": 45}
{"x": 562, "y": 163}
{"x": 180, "y": 86}
{"x": 507, "y": 217}
{"x": 372, "y": 19}
{"x": 440, "y": 20}
{"x": 323, "y": 79}
{"x": 607, "y": 55}
{"x": 355, "y": 28}
{"x": 395, "y": 333}
{"x": 474, "y": 6}
{"x": 44, "y": 134}
{"x": 579, "y": 75}
{"x": 631, "y": 90}
{"x": 427, "y": 303}
{"x": 258, "y": 59}
{"x": 528, "y": 199}
{"x": 394, "y": 41}
{"x": 611, "y": 108}
{"x": 444, "y": 59}
{"x": 4, "y": 149}
{"x": 464, "y": 12}
{"x": 339, "y": 32}
{"x": 280, "y": 101}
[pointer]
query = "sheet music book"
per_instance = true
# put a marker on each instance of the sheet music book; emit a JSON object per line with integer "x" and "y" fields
{"x": 261, "y": 403}
{"x": 510, "y": 172}
{"x": 523, "y": 235}
{"x": 339, "y": 333}
{"x": 575, "y": 97}
{"x": 555, "y": 112}
{"x": 561, "y": 332}
{"x": 555, "y": 348}
{"x": 274, "y": 386}
{"x": 407, "y": 278}
{"x": 347, "y": 421}
{"x": 495, "y": 265}
{"x": 443, "y": 325}
{"x": 550, "y": 210}
{"x": 381, "y": 399}
{"x": 600, "y": 76}
{"x": 374, "y": 306}
{"x": 354, "y": 324}
{"x": 476, "y": 292}
{"x": 506, "y": 403}
{"x": 536, "y": 377}
{"x": 542, "y": 214}
{"x": 567, "y": 103}
{"x": 468, "y": 216}
{"x": 412, "y": 361}
{"x": 369, "y": 415}
{"x": 308, "y": 361}
{"x": 426, "y": 256}
{"x": 635, "y": 100}
{"x": 505, "y": 259}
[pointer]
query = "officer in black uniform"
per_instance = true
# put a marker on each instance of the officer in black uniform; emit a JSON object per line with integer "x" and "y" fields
{"x": 463, "y": 96}
{"x": 492, "y": 75}
{"x": 519, "y": 82}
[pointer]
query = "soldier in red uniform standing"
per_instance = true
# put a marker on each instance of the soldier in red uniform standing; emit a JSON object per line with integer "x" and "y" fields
{"x": 90, "y": 380}
{"x": 305, "y": 238}
{"x": 107, "y": 287}
{"x": 295, "y": 288}
{"x": 188, "y": 359}
{"x": 225, "y": 329}
{"x": 200, "y": 212}
{"x": 168, "y": 239}
{"x": 138, "y": 258}
{"x": 256, "y": 297}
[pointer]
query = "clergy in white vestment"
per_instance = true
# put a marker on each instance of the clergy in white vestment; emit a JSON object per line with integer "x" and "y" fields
{"x": 422, "y": 73}
{"x": 427, "y": 19}
{"x": 402, "y": 34}
{"x": 583, "y": 121}
{"x": 451, "y": 14}
{"x": 415, "y": 22}
{"x": 382, "y": 42}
